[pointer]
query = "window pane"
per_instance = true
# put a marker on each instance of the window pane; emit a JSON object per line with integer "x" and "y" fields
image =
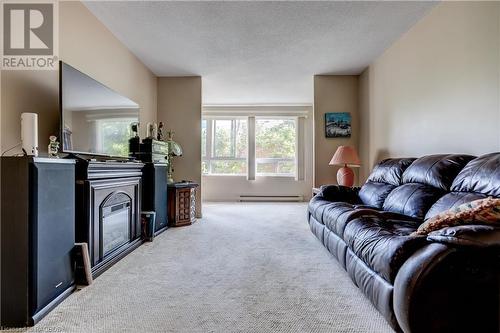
{"x": 276, "y": 167}
{"x": 203, "y": 138}
{"x": 223, "y": 138}
{"x": 241, "y": 138}
{"x": 228, "y": 167}
{"x": 204, "y": 167}
{"x": 229, "y": 147}
{"x": 275, "y": 146}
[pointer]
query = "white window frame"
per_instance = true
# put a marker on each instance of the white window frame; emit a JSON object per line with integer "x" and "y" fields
{"x": 297, "y": 112}
{"x": 210, "y": 146}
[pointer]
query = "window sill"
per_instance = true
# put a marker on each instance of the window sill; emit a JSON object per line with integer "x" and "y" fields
{"x": 273, "y": 177}
{"x": 223, "y": 175}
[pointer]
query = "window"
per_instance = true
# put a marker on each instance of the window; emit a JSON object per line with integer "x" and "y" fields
{"x": 224, "y": 146}
{"x": 275, "y": 147}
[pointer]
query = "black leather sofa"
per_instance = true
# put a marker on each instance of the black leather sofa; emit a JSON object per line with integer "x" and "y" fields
{"x": 447, "y": 281}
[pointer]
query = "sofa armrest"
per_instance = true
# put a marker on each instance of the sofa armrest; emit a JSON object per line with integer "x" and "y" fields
{"x": 340, "y": 193}
{"x": 445, "y": 288}
{"x": 467, "y": 235}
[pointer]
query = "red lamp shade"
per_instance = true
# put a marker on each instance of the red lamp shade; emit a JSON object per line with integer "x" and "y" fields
{"x": 345, "y": 156}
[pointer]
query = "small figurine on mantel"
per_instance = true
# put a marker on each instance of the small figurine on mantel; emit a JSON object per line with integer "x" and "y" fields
{"x": 159, "y": 135}
{"x": 53, "y": 148}
{"x": 134, "y": 127}
{"x": 151, "y": 129}
{"x": 134, "y": 143}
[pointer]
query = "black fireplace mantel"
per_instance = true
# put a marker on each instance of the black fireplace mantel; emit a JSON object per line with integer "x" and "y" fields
{"x": 97, "y": 183}
{"x": 101, "y": 169}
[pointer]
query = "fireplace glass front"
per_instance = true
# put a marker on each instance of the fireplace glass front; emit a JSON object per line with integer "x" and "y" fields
{"x": 115, "y": 224}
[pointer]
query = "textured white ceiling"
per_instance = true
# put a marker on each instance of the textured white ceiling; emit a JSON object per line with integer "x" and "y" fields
{"x": 257, "y": 52}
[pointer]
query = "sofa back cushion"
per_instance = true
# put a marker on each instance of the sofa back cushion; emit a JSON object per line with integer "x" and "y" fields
{"x": 479, "y": 179}
{"x": 426, "y": 180}
{"x": 481, "y": 175}
{"x": 384, "y": 178}
{"x": 452, "y": 200}
{"x": 437, "y": 171}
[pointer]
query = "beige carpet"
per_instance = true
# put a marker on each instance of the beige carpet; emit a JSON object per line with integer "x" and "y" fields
{"x": 242, "y": 268}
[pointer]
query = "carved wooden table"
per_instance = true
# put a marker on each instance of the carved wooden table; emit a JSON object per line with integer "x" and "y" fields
{"x": 181, "y": 203}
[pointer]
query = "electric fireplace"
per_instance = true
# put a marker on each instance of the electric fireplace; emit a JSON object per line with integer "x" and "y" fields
{"x": 108, "y": 210}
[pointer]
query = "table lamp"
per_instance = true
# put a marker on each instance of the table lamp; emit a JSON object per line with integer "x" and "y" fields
{"x": 345, "y": 156}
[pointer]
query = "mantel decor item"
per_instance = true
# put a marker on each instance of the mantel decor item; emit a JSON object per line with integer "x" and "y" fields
{"x": 159, "y": 135}
{"x": 347, "y": 157}
{"x": 29, "y": 133}
{"x": 134, "y": 128}
{"x": 174, "y": 149}
{"x": 151, "y": 129}
{"x": 338, "y": 125}
{"x": 53, "y": 148}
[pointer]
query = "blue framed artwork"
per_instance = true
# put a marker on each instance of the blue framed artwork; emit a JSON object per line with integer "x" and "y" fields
{"x": 337, "y": 125}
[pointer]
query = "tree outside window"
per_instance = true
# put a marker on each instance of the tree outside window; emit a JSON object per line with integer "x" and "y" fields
{"x": 225, "y": 146}
{"x": 275, "y": 141}
{"x": 226, "y": 151}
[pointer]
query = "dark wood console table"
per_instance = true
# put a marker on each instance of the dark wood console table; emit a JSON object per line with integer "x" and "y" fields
{"x": 181, "y": 204}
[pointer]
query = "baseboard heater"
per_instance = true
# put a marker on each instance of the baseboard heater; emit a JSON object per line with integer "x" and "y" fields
{"x": 271, "y": 198}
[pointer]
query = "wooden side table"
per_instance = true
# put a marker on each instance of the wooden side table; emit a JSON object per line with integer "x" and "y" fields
{"x": 181, "y": 204}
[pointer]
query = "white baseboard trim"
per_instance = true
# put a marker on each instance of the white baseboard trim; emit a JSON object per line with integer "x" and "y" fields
{"x": 271, "y": 198}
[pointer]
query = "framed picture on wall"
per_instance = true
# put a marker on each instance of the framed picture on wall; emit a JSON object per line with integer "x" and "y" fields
{"x": 338, "y": 125}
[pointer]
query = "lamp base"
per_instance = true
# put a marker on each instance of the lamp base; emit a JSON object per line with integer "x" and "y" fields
{"x": 345, "y": 176}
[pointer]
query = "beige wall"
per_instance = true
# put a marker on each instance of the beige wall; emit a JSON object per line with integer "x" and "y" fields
{"x": 436, "y": 90}
{"x": 179, "y": 107}
{"x": 28, "y": 91}
{"x": 86, "y": 44}
{"x": 332, "y": 93}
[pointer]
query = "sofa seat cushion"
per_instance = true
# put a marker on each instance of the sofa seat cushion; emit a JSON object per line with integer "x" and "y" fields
{"x": 383, "y": 244}
{"x": 327, "y": 212}
{"x": 316, "y": 207}
{"x": 338, "y": 215}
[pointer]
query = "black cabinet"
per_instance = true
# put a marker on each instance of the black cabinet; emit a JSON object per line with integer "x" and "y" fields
{"x": 154, "y": 193}
{"x": 37, "y": 237}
